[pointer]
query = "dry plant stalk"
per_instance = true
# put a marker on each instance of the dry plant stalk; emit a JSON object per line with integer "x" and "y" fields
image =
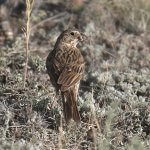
{"x": 29, "y": 6}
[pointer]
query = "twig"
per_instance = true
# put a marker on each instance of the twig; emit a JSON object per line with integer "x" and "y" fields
{"x": 54, "y": 18}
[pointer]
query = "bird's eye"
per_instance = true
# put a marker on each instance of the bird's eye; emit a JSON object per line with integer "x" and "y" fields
{"x": 72, "y": 33}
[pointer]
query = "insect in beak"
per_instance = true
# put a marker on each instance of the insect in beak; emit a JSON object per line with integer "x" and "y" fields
{"x": 84, "y": 37}
{"x": 80, "y": 38}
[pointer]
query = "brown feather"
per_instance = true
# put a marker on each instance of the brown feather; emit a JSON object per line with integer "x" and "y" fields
{"x": 65, "y": 66}
{"x": 70, "y": 106}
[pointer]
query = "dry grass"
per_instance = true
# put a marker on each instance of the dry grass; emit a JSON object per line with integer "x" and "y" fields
{"x": 133, "y": 15}
{"x": 114, "y": 98}
{"x": 29, "y": 6}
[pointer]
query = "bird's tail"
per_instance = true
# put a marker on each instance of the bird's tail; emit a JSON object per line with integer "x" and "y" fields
{"x": 70, "y": 106}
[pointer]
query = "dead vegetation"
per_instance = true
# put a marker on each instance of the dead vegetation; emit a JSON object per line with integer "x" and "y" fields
{"x": 114, "y": 98}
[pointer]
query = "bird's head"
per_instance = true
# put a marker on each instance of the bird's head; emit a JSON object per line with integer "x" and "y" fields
{"x": 71, "y": 37}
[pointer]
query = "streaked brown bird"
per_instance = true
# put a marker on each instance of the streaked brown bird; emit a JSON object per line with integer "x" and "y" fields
{"x": 65, "y": 66}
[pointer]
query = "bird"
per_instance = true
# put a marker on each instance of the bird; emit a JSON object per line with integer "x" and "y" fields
{"x": 65, "y": 66}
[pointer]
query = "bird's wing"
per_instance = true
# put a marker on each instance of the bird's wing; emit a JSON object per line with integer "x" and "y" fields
{"x": 71, "y": 75}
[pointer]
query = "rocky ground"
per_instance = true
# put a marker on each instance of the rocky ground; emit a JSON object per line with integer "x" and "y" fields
{"x": 114, "y": 96}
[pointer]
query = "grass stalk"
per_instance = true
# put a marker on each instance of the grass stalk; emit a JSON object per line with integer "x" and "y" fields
{"x": 29, "y": 6}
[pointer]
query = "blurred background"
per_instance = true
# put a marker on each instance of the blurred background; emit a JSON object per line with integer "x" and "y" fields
{"x": 116, "y": 81}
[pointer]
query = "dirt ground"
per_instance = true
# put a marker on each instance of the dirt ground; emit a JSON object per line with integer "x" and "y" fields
{"x": 114, "y": 95}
